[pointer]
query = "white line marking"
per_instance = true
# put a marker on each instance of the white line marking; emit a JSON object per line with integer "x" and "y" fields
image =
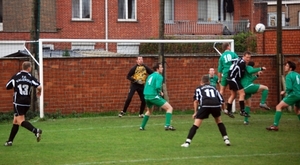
{"x": 182, "y": 158}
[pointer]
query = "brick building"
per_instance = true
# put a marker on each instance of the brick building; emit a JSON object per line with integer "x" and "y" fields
{"x": 130, "y": 19}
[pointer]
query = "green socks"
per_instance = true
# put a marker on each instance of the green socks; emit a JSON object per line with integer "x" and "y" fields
{"x": 247, "y": 110}
{"x": 264, "y": 95}
{"x": 168, "y": 119}
{"x": 145, "y": 120}
{"x": 277, "y": 118}
{"x": 298, "y": 116}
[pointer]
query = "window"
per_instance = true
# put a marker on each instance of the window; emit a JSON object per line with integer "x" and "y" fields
{"x": 208, "y": 10}
{"x": 169, "y": 11}
{"x": 81, "y": 10}
{"x": 272, "y": 19}
{"x": 127, "y": 10}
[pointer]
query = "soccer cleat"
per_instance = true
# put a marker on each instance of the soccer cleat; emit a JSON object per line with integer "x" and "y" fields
{"x": 185, "y": 145}
{"x": 141, "y": 115}
{"x": 38, "y": 135}
{"x": 169, "y": 128}
{"x": 8, "y": 143}
{"x": 227, "y": 142}
{"x": 230, "y": 114}
{"x": 264, "y": 106}
{"x": 121, "y": 114}
{"x": 243, "y": 113}
{"x": 246, "y": 122}
{"x": 272, "y": 128}
{"x": 142, "y": 129}
{"x": 225, "y": 111}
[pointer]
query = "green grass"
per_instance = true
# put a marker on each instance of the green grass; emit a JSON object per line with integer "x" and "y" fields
{"x": 113, "y": 140}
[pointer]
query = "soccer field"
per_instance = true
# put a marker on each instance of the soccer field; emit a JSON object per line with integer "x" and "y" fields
{"x": 113, "y": 140}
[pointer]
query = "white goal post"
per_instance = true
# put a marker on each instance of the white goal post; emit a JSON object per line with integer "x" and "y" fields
{"x": 106, "y": 41}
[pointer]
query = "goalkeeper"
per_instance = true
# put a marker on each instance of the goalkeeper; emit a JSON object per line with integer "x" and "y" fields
{"x": 137, "y": 76}
{"x": 250, "y": 88}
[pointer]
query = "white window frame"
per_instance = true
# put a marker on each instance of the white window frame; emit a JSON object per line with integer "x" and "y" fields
{"x": 211, "y": 13}
{"x": 83, "y": 46}
{"x": 1, "y": 23}
{"x": 126, "y": 14}
{"x": 169, "y": 11}
{"x": 298, "y": 18}
{"x": 272, "y": 19}
{"x": 81, "y": 6}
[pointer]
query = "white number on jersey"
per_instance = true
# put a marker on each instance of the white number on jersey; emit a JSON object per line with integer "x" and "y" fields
{"x": 210, "y": 93}
{"x": 149, "y": 80}
{"x": 23, "y": 89}
{"x": 298, "y": 80}
{"x": 227, "y": 58}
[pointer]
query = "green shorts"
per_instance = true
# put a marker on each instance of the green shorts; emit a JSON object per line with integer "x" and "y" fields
{"x": 250, "y": 90}
{"x": 224, "y": 79}
{"x": 292, "y": 100}
{"x": 154, "y": 100}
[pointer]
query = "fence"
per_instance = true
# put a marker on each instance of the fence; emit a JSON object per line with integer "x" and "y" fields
{"x": 187, "y": 27}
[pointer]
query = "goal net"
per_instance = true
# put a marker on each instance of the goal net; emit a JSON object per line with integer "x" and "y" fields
{"x": 89, "y": 75}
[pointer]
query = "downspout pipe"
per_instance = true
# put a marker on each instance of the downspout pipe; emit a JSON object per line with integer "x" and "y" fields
{"x": 106, "y": 24}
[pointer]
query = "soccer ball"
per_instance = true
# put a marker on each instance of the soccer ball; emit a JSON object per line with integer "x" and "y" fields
{"x": 260, "y": 28}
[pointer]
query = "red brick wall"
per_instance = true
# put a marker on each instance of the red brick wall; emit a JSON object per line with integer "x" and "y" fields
{"x": 267, "y": 42}
{"x": 99, "y": 84}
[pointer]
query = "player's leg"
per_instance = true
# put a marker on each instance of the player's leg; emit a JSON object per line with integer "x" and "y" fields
{"x": 241, "y": 93}
{"x": 264, "y": 95}
{"x": 143, "y": 103}
{"x": 222, "y": 89}
{"x": 201, "y": 114}
{"x": 233, "y": 89}
{"x": 277, "y": 116}
{"x": 192, "y": 132}
{"x": 130, "y": 94}
{"x": 217, "y": 116}
{"x": 229, "y": 104}
{"x": 223, "y": 84}
{"x": 169, "y": 110}
{"x": 20, "y": 119}
{"x": 247, "y": 108}
{"x": 297, "y": 109}
{"x": 149, "y": 107}
{"x": 287, "y": 100}
{"x": 240, "y": 90}
{"x": 249, "y": 90}
{"x": 13, "y": 132}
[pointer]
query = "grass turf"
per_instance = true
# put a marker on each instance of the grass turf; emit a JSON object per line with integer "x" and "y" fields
{"x": 114, "y": 140}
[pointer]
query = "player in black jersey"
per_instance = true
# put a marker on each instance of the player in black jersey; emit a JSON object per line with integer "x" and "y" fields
{"x": 235, "y": 74}
{"x": 22, "y": 84}
{"x": 207, "y": 100}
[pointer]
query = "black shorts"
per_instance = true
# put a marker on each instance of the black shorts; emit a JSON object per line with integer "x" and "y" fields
{"x": 235, "y": 85}
{"x": 20, "y": 110}
{"x": 204, "y": 112}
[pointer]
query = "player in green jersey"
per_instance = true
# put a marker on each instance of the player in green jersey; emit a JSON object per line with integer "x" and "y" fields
{"x": 224, "y": 65}
{"x": 214, "y": 80}
{"x": 153, "y": 96}
{"x": 250, "y": 88}
{"x": 292, "y": 97}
